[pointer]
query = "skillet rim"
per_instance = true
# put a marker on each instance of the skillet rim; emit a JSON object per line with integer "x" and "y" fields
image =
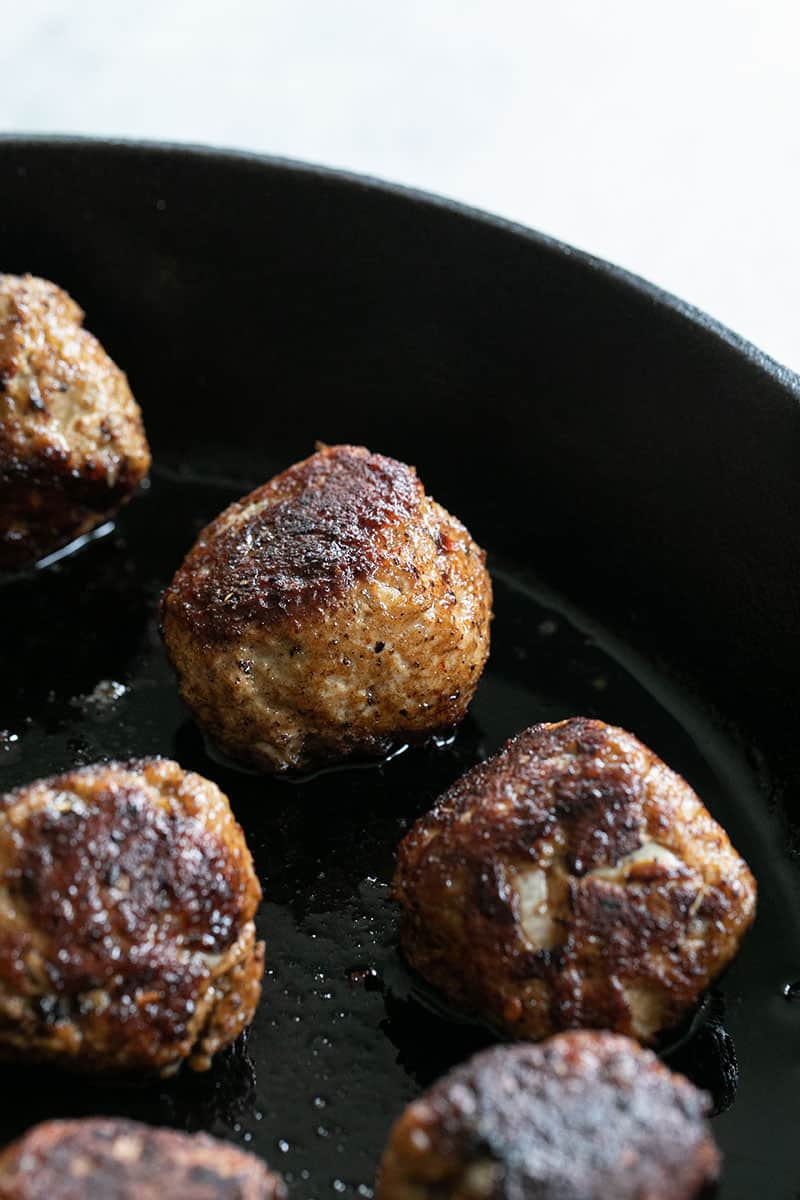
{"x": 689, "y": 313}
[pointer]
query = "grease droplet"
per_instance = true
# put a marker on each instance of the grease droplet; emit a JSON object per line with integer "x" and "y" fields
{"x": 10, "y": 746}
{"x": 367, "y": 976}
{"x": 102, "y": 701}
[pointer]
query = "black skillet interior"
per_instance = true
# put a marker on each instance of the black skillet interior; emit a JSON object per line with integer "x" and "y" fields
{"x": 632, "y": 471}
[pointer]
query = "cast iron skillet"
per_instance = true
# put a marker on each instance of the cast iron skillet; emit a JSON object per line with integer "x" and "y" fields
{"x": 632, "y": 468}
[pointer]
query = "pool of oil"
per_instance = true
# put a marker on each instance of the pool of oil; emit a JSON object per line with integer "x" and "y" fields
{"x": 345, "y": 1036}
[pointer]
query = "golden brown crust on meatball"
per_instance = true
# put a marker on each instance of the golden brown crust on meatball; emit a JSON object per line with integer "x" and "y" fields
{"x": 336, "y": 610}
{"x": 296, "y": 543}
{"x": 109, "y": 1158}
{"x": 127, "y": 897}
{"x": 572, "y": 880}
{"x": 583, "y": 1116}
{"x": 72, "y": 445}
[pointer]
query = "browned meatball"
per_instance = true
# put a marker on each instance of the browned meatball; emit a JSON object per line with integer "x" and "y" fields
{"x": 584, "y": 1116}
{"x": 127, "y": 897}
{"x": 72, "y": 446}
{"x": 572, "y": 880}
{"x": 111, "y": 1159}
{"x": 336, "y": 610}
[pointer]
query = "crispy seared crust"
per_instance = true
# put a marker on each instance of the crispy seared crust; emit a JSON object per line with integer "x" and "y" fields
{"x": 115, "y": 1159}
{"x": 72, "y": 445}
{"x": 337, "y": 610}
{"x": 584, "y": 1116}
{"x": 127, "y": 897}
{"x": 295, "y": 544}
{"x": 572, "y": 880}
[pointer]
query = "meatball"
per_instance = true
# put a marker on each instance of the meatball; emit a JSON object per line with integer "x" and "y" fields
{"x": 336, "y": 610}
{"x": 72, "y": 446}
{"x": 113, "y": 1159}
{"x": 583, "y": 1116}
{"x": 127, "y": 943}
{"x": 572, "y": 880}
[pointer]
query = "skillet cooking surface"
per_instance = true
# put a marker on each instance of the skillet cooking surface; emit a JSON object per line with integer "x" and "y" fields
{"x": 344, "y": 1036}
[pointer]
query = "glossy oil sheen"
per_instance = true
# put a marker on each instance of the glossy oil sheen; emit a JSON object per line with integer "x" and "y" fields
{"x": 591, "y": 431}
{"x": 344, "y": 1036}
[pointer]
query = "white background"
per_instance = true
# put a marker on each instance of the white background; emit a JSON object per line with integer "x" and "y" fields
{"x": 664, "y": 136}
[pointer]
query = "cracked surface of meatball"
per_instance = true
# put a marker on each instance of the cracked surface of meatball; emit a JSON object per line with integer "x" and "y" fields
{"x": 573, "y": 880}
{"x": 583, "y": 1116}
{"x": 108, "y": 1158}
{"x": 335, "y": 611}
{"x": 72, "y": 444}
{"x": 127, "y": 942}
